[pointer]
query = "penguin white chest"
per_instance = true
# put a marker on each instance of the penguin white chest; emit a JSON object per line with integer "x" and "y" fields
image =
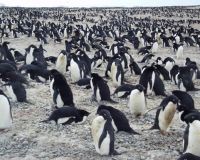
{"x": 98, "y": 95}
{"x": 155, "y": 47}
{"x": 51, "y": 87}
{"x": 59, "y": 101}
{"x": 152, "y": 81}
{"x": 5, "y": 113}
{"x": 61, "y": 63}
{"x": 194, "y": 138}
{"x": 137, "y": 102}
{"x": 97, "y": 130}
{"x": 166, "y": 116}
{"x": 179, "y": 53}
{"x": 29, "y": 56}
{"x": 11, "y": 92}
{"x": 75, "y": 71}
{"x": 168, "y": 66}
{"x": 116, "y": 80}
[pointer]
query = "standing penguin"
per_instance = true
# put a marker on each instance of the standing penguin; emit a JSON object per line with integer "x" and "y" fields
{"x": 5, "y": 112}
{"x": 103, "y": 133}
{"x": 30, "y": 57}
{"x": 155, "y": 47}
{"x": 179, "y": 52}
{"x": 100, "y": 89}
{"x": 165, "y": 113}
{"x": 137, "y": 101}
{"x": 78, "y": 69}
{"x": 117, "y": 73}
{"x": 60, "y": 90}
{"x": 61, "y": 62}
{"x": 192, "y": 132}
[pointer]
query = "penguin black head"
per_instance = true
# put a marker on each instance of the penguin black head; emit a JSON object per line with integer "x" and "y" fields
{"x": 173, "y": 99}
{"x": 95, "y": 76}
{"x": 105, "y": 114}
{"x": 139, "y": 87}
{"x": 63, "y": 52}
{"x": 190, "y": 118}
{"x": 54, "y": 72}
{"x": 83, "y": 112}
{"x": 181, "y": 108}
{"x": 1, "y": 92}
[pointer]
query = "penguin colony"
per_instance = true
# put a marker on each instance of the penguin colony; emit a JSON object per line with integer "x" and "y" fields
{"x": 117, "y": 66}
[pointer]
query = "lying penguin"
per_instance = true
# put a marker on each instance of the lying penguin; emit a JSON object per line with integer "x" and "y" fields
{"x": 67, "y": 115}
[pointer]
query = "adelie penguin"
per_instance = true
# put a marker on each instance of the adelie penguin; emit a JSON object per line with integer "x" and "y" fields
{"x": 78, "y": 69}
{"x": 191, "y": 135}
{"x": 137, "y": 101}
{"x": 100, "y": 88}
{"x": 119, "y": 120}
{"x": 165, "y": 114}
{"x": 117, "y": 73}
{"x": 60, "y": 90}
{"x": 61, "y": 62}
{"x": 5, "y": 112}
{"x": 67, "y": 115}
{"x": 103, "y": 133}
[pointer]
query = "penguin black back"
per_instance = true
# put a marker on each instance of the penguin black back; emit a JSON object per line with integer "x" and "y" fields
{"x": 119, "y": 118}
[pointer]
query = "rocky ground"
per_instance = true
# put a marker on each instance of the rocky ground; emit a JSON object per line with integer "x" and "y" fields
{"x": 29, "y": 139}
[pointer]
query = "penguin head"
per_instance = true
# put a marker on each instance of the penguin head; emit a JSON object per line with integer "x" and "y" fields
{"x": 83, "y": 112}
{"x": 140, "y": 87}
{"x": 187, "y": 59}
{"x": 63, "y": 52}
{"x": 105, "y": 114}
{"x": 95, "y": 76}
{"x": 182, "y": 107}
{"x": 191, "y": 117}
{"x": 173, "y": 99}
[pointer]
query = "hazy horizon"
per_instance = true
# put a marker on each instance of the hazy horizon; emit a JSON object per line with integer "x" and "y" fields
{"x": 99, "y": 3}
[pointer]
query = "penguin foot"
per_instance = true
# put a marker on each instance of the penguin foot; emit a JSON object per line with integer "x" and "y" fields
{"x": 164, "y": 133}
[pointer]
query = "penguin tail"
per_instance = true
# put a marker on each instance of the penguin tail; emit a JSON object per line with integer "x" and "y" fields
{"x": 153, "y": 128}
{"x": 131, "y": 131}
{"x": 112, "y": 101}
{"x": 45, "y": 121}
